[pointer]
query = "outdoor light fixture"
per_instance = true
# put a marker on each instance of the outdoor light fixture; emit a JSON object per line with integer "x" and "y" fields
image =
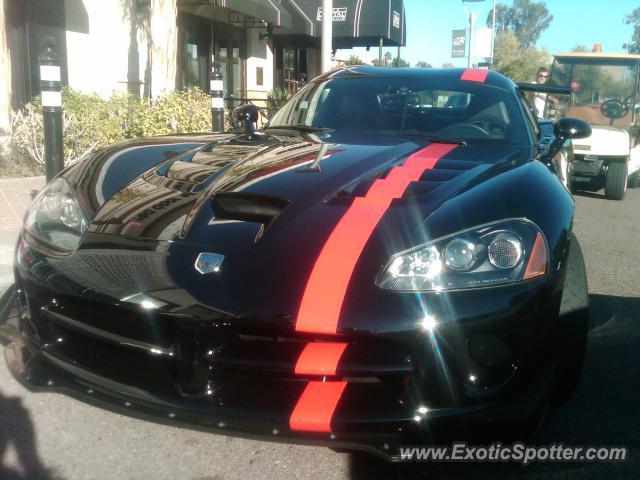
{"x": 267, "y": 34}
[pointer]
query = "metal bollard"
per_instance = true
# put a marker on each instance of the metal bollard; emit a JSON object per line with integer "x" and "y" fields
{"x": 51, "y": 86}
{"x": 217, "y": 98}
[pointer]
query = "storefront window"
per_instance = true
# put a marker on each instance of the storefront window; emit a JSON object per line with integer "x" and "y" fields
{"x": 230, "y": 46}
{"x": 193, "y": 52}
{"x": 195, "y": 67}
{"x": 290, "y": 68}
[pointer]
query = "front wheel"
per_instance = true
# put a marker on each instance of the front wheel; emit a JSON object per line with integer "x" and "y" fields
{"x": 573, "y": 327}
{"x": 633, "y": 180}
{"x": 616, "y": 184}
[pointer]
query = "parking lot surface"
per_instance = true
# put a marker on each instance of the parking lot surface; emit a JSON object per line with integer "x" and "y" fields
{"x": 46, "y": 436}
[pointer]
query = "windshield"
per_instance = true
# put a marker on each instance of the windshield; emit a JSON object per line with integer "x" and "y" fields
{"x": 463, "y": 111}
{"x": 593, "y": 83}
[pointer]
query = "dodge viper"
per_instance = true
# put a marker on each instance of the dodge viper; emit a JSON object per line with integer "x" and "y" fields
{"x": 389, "y": 261}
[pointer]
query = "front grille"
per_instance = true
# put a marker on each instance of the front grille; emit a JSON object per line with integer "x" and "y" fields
{"x": 218, "y": 371}
{"x": 215, "y": 366}
{"x": 116, "y": 273}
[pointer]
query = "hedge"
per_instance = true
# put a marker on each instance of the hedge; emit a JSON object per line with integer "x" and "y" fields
{"x": 90, "y": 121}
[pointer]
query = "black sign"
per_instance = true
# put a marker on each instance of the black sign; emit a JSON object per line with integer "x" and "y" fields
{"x": 458, "y": 43}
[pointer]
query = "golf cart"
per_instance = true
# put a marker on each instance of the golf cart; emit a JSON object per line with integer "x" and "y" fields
{"x": 604, "y": 90}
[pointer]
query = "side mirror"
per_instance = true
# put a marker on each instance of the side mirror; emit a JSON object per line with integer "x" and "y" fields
{"x": 247, "y": 114}
{"x": 571, "y": 127}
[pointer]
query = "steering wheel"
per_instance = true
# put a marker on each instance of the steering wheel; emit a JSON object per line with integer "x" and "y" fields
{"x": 490, "y": 126}
{"x": 458, "y": 129}
{"x": 614, "y": 109}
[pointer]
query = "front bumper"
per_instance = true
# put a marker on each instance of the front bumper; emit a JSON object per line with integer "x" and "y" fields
{"x": 43, "y": 373}
{"x": 204, "y": 370}
{"x": 587, "y": 168}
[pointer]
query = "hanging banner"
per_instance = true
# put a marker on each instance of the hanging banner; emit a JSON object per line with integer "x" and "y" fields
{"x": 458, "y": 43}
{"x": 481, "y": 42}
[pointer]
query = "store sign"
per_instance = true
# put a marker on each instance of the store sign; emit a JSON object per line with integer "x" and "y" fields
{"x": 396, "y": 19}
{"x": 338, "y": 14}
{"x": 458, "y": 43}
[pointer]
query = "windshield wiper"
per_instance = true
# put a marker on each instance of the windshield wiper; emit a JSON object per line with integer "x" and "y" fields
{"x": 301, "y": 127}
{"x": 431, "y": 138}
{"x": 455, "y": 141}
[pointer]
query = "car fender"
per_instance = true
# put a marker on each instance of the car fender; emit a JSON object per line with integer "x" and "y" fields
{"x": 528, "y": 191}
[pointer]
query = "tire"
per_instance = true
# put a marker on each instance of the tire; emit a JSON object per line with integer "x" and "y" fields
{"x": 573, "y": 327}
{"x": 616, "y": 183}
{"x": 633, "y": 180}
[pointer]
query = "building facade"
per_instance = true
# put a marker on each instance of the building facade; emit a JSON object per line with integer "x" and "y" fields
{"x": 148, "y": 47}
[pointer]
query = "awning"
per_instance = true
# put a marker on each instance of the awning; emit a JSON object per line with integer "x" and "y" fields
{"x": 356, "y": 23}
{"x": 270, "y": 11}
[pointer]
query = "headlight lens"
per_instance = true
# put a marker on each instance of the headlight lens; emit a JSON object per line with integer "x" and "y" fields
{"x": 460, "y": 254}
{"x": 505, "y": 250}
{"x": 55, "y": 217}
{"x": 493, "y": 254}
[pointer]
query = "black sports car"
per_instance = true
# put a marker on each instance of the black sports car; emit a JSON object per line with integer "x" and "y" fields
{"x": 391, "y": 257}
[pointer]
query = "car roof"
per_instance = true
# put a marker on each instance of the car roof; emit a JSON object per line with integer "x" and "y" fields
{"x": 598, "y": 55}
{"x": 493, "y": 79}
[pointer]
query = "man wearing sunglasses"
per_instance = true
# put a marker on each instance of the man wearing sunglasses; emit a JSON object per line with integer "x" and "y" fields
{"x": 540, "y": 98}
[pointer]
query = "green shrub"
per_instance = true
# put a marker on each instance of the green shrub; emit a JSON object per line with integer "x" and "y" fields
{"x": 276, "y": 99}
{"x": 90, "y": 121}
{"x": 176, "y": 112}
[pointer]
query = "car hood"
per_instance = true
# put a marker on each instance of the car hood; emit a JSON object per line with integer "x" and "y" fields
{"x": 248, "y": 193}
{"x": 265, "y": 208}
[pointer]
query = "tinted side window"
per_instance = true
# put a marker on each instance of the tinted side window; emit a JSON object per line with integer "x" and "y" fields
{"x": 531, "y": 122}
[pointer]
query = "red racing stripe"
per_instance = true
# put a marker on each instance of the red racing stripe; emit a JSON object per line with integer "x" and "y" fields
{"x": 324, "y": 294}
{"x": 475, "y": 75}
{"x": 315, "y": 407}
{"x": 320, "y": 359}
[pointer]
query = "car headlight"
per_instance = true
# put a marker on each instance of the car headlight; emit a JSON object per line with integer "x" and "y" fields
{"x": 493, "y": 254}
{"x": 55, "y": 217}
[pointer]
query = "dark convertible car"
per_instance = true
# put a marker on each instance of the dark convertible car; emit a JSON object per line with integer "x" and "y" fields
{"x": 389, "y": 261}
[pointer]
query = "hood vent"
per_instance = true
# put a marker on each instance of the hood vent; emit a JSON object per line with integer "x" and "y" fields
{"x": 247, "y": 207}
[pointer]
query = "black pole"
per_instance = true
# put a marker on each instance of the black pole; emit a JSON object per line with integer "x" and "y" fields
{"x": 217, "y": 99}
{"x": 51, "y": 87}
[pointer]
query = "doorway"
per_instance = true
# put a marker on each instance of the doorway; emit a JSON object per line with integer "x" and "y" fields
{"x": 199, "y": 37}
{"x": 230, "y": 52}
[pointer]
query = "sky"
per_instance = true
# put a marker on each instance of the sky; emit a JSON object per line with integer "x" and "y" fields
{"x": 429, "y": 25}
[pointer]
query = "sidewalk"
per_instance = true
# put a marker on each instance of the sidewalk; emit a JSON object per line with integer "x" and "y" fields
{"x": 15, "y": 197}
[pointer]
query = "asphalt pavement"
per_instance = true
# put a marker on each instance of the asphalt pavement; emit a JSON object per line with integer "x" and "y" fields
{"x": 47, "y": 436}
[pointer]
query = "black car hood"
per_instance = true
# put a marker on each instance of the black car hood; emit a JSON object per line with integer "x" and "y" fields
{"x": 267, "y": 207}
{"x": 255, "y": 193}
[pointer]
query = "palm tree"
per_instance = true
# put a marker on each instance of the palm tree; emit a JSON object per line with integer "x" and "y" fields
{"x": 354, "y": 60}
{"x": 5, "y": 75}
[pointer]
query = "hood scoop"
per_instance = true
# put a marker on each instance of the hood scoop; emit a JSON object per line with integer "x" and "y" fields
{"x": 247, "y": 207}
{"x": 432, "y": 180}
{"x": 429, "y": 181}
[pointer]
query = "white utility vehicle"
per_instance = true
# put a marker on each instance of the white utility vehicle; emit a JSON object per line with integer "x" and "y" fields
{"x": 604, "y": 93}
